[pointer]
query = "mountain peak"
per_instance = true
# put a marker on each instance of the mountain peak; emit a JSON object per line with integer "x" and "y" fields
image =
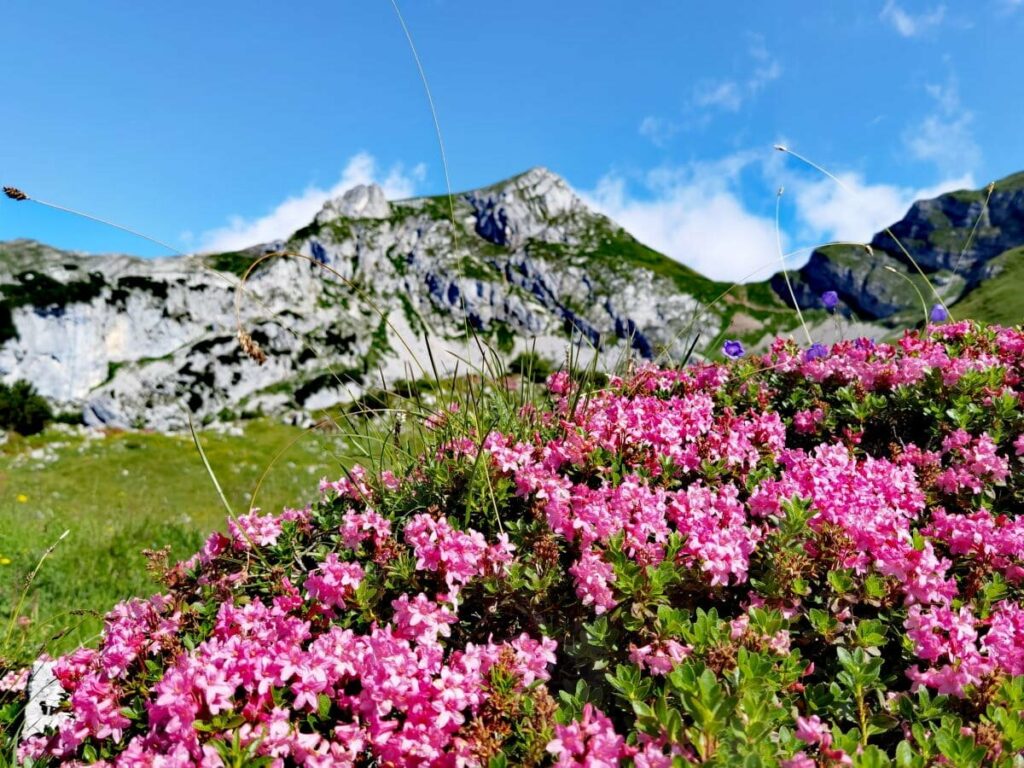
{"x": 525, "y": 207}
{"x": 540, "y": 174}
{"x": 363, "y": 201}
{"x": 535, "y": 182}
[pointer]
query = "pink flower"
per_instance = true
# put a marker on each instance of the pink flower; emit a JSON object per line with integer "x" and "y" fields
{"x": 216, "y": 545}
{"x": 421, "y": 619}
{"x": 590, "y": 742}
{"x": 356, "y": 527}
{"x": 253, "y": 529}
{"x": 812, "y": 731}
{"x": 1004, "y": 642}
{"x": 14, "y": 681}
{"x": 592, "y": 575}
{"x": 97, "y": 709}
{"x": 659, "y": 658}
{"x": 334, "y": 582}
{"x": 806, "y": 422}
{"x": 460, "y": 556}
{"x": 949, "y": 641}
{"x": 533, "y": 657}
{"x": 559, "y": 383}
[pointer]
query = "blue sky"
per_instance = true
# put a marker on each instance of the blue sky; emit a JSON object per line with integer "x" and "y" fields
{"x": 218, "y": 124}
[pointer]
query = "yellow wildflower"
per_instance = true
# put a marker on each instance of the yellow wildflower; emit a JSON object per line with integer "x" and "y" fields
{"x": 22, "y": 498}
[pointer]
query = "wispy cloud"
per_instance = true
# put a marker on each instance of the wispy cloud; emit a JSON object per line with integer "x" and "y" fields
{"x": 767, "y": 66}
{"x": 297, "y": 211}
{"x": 1005, "y": 8}
{"x": 717, "y": 95}
{"x": 726, "y": 94}
{"x": 944, "y": 137}
{"x": 731, "y": 94}
{"x": 659, "y": 130}
{"x": 908, "y": 24}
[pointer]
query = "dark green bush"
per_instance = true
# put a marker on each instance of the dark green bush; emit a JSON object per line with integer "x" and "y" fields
{"x": 22, "y": 409}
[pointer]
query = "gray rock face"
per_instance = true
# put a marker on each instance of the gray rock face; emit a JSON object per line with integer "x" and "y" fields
{"x": 861, "y": 279}
{"x": 535, "y": 206}
{"x": 142, "y": 343}
{"x": 936, "y": 233}
{"x": 45, "y": 696}
{"x": 361, "y": 202}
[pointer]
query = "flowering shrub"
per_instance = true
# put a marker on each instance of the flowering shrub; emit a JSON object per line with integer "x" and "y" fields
{"x": 793, "y": 559}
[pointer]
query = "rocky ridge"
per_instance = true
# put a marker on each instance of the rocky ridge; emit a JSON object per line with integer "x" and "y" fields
{"x": 523, "y": 265}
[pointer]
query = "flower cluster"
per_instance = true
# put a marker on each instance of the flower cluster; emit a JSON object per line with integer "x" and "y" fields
{"x": 811, "y": 557}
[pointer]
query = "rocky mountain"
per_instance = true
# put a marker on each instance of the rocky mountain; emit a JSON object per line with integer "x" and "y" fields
{"x": 383, "y": 292}
{"x": 522, "y": 266}
{"x": 961, "y": 244}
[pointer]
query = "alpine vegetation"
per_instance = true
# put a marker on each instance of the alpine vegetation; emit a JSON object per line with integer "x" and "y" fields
{"x": 803, "y": 557}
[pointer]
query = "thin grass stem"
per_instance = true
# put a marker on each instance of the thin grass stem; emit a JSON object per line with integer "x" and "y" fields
{"x": 974, "y": 229}
{"x": 785, "y": 272}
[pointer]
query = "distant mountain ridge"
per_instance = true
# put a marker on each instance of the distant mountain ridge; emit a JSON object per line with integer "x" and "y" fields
{"x": 958, "y": 241}
{"x": 525, "y": 266}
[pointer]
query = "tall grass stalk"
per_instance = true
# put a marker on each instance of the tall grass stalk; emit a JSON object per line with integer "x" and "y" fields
{"x": 970, "y": 237}
{"x": 209, "y": 469}
{"x": 16, "y": 613}
{"x": 433, "y": 115}
{"x": 924, "y": 304}
{"x": 782, "y": 262}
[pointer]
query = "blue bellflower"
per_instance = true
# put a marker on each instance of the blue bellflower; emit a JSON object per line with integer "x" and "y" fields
{"x": 816, "y": 351}
{"x": 733, "y": 349}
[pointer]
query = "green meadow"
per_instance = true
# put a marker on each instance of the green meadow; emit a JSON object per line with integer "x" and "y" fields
{"x": 118, "y": 494}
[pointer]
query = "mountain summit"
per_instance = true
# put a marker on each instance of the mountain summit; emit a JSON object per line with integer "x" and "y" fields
{"x": 364, "y": 201}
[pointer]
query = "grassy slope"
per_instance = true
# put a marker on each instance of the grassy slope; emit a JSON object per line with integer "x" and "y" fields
{"x": 748, "y": 312}
{"x": 1008, "y": 184}
{"x": 618, "y": 250}
{"x": 999, "y": 299}
{"x": 123, "y": 493}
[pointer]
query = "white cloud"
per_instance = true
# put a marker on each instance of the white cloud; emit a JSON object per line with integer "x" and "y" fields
{"x": 829, "y": 212}
{"x": 695, "y": 215}
{"x": 298, "y": 211}
{"x": 944, "y": 137}
{"x": 911, "y": 25}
